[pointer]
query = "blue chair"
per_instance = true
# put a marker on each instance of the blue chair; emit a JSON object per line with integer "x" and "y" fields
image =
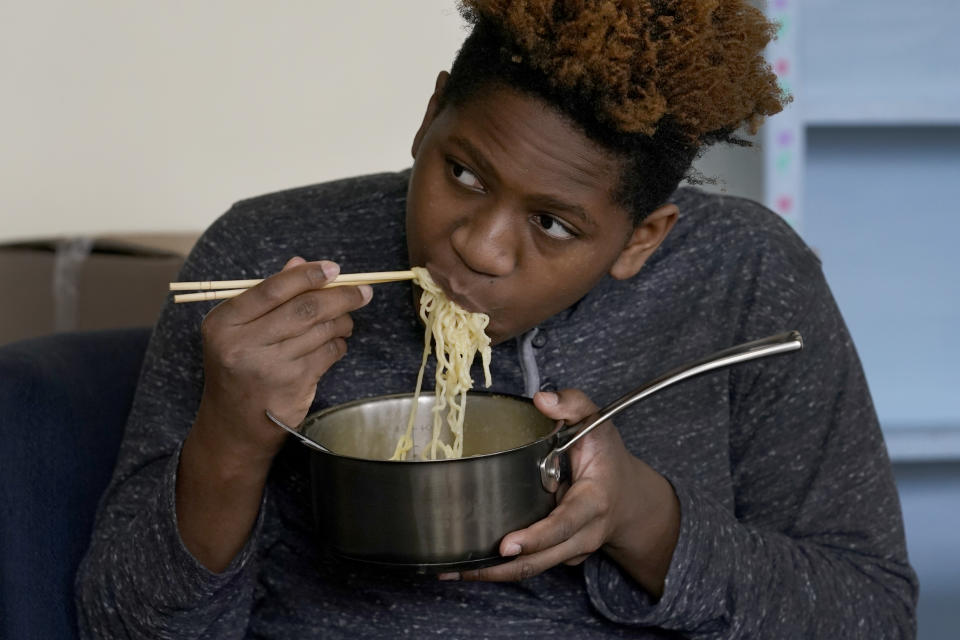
{"x": 64, "y": 399}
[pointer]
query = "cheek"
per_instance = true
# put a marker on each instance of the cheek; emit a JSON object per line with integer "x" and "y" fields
{"x": 563, "y": 282}
{"x": 425, "y": 200}
{"x": 419, "y": 213}
{"x": 433, "y": 215}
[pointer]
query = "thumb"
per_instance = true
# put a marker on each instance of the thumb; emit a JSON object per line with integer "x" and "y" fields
{"x": 569, "y": 405}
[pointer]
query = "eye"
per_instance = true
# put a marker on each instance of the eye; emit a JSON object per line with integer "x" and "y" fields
{"x": 464, "y": 176}
{"x": 553, "y": 227}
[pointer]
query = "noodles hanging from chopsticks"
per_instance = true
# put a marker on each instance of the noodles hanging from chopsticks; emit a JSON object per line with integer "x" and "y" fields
{"x": 458, "y": 335}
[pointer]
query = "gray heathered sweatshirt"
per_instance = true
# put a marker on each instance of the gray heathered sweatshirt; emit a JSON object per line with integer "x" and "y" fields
{"x": 791, "y": 526}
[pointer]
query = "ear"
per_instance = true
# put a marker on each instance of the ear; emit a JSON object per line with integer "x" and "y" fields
{"x": 643, "y": 241}
{"x": 432, "y": 109}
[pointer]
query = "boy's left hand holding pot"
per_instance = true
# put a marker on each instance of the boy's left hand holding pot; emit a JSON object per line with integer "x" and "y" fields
{"x": 615, "y": 502}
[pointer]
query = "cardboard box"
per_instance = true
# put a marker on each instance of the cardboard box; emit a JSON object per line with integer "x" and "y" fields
{"x": 75, "y": 284}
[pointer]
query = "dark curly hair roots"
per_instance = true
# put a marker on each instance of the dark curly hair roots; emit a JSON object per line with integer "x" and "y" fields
{"x": 652, "y": 81}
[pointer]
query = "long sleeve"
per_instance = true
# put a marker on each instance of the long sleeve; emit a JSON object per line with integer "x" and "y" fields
{"x": 812, "y": 544}
{"x": 790, "y": 525}
{"x": 137, "y": 579}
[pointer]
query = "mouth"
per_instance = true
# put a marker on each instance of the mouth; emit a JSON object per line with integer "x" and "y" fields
{"x": 454, "y": 292}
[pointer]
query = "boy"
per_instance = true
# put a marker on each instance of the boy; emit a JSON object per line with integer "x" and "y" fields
{"x": 754, "y": 502}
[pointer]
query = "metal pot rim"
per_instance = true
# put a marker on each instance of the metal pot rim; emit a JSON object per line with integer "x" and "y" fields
{"x": 317, "y": 415}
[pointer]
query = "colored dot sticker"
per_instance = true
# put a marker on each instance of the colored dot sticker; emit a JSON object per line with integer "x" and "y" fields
{"x": 783, "y": 25}
{"x": 784, "y": 204}
{"x": 784, "y": 149}
{"x": 783, "y": 161}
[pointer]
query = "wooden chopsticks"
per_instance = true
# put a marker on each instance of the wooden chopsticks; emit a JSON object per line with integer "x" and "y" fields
{"x": 221, "y": 289}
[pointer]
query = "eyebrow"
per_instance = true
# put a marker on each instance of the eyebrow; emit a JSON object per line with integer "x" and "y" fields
{"x": 554, "y": 204}
{"x": 542, "y": 199}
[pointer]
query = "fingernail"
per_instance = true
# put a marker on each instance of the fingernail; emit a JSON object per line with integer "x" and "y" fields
{"x": 512, "y": 549}
{"x": 549, "y": 398}
{"x": 330, "y": 269}
{"x": 366, "y": 291}
{"x": 449, "y": 576}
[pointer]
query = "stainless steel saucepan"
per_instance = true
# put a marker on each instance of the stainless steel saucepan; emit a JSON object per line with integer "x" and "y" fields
{"x": 442, "y": 515}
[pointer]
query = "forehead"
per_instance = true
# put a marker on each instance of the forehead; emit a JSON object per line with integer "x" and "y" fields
{"x": 530, "y": 146}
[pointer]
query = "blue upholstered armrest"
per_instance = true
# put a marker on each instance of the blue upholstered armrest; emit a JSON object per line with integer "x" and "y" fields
{"x": 63, "y": 402}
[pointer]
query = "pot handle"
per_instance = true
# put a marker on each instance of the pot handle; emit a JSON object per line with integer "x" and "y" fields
{"x": 555, "y": 467}
{"x": 302, "y": 438}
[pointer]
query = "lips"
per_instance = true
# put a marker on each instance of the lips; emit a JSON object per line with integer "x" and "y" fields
{"x": 454, "y": 292}
{"x": 467, "y": 301}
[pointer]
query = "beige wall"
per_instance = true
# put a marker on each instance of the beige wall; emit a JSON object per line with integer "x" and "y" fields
{"x": 138, "y": 115}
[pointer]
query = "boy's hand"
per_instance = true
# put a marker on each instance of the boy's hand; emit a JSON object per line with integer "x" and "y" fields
{"x": 267, "y": 349}
{"x": 615, "y": 502}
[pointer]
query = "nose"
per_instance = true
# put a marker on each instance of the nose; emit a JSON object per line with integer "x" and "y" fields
{"x": 486, "y": 243}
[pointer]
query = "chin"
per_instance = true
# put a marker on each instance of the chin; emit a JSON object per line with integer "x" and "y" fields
{"x": 496, "y": 337}
{"x": 499, "y": 334}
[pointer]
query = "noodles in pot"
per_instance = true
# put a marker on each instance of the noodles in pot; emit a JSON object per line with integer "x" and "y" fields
{"x": 458, "y": 335}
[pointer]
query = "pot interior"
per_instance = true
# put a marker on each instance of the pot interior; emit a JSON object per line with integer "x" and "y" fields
{"x": 369, "y": 429}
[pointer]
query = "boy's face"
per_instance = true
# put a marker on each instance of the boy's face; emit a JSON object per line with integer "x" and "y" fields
{"x": 510, "y": 209}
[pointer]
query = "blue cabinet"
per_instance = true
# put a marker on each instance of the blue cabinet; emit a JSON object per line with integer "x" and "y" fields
{"x": 866, "y": 164}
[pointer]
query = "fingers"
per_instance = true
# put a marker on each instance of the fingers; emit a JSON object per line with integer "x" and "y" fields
{"x": 581, "y": 506}
{"x": 304, "y": 314}
{"x": 316, "y": 335}
{"x": 292, "y": 262}
{"x": 576, "y": 560}
{"x": 526, "y": 566}
{"x": 297, "y": 277}
{"x": 314, "y": 364}
{"x": 268, "y": 312}
{"x": 568, "y": 535}
{"x": 569, "y": 405}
